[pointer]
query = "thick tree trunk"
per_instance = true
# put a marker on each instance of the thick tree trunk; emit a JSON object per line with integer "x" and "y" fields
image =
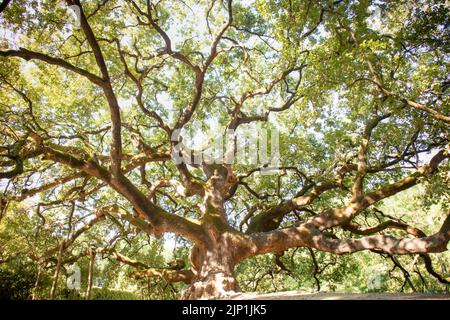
{"x": 214, "y": 260}
{"x": 214, "y": 284}
{"x": 215, "y": 277}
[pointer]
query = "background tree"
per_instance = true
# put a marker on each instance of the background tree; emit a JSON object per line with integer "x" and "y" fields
{"x": 90, "y": 108}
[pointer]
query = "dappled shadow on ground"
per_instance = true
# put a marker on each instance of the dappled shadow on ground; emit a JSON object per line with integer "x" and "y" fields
{"x": 298, "y": 295}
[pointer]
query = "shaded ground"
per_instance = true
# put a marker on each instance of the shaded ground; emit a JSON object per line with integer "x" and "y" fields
{"x": 298, "y": 295}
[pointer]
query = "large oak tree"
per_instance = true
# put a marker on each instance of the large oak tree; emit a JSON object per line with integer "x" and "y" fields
{"x": 94, "y": 92}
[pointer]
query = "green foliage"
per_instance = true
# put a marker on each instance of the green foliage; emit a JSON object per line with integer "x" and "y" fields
{"x": 17, "y": 280}
{"x": 337, "y": 48}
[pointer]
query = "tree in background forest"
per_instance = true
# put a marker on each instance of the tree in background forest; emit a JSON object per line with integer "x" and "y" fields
{"x": 98, "y": 99}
